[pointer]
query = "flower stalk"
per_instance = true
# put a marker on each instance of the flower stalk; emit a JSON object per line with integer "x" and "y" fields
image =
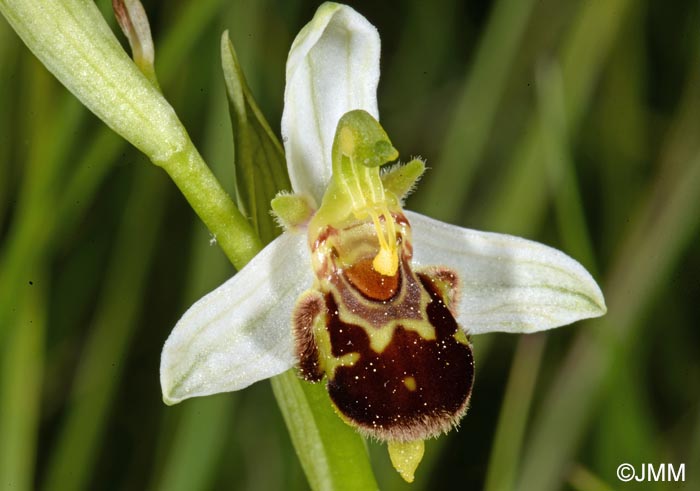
{"x": 213, "y": 205}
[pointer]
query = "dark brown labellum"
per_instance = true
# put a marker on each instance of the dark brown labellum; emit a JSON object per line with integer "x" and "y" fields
{"x": 398, "y": 366}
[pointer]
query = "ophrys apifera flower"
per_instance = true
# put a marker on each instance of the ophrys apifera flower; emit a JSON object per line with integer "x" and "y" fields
{"x": 378, "y": 301}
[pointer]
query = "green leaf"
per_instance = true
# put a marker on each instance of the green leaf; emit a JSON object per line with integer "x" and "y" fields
{"x": 333, "y": 455}
{"x": 261, "y": 169}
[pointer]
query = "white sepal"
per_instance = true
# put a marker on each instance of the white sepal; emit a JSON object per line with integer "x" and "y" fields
{"x": 241, "y": 332}
{"x": 507, "y": 283}
{"x": 333, "y": 68}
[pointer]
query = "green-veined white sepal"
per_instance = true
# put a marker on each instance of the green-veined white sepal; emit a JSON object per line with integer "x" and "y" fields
{"x": 333, "y": 67}
{"x": 239, "y": 333}
{"x": 506, "y": 283}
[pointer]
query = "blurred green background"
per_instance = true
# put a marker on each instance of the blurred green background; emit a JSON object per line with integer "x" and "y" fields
{"x": 572, "y": 123}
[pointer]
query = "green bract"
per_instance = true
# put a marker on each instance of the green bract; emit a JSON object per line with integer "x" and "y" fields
{"x": 259, "y": 157}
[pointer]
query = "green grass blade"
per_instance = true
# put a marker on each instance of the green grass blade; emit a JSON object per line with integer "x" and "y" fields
{"x": 188, "y": 27}
{"x": 582, "y": 479}
{"x": 112, "y": 327}
{"x": 475, "y": 109}
{"x": 425, "y": 50}
{"x": 21, "y": 378}
{"x": 664, "y": 226}
{"x": 195, "y": 452}
{"x": 37, "y": 191}
{"x": 9, "y": 51}
{"x": 694, "y": 451}
{"x": 582, "y": 58}
{"x": 508, "y": 441}
{"x": 571, "y": 221}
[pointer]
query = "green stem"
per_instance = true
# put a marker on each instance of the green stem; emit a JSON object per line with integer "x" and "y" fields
{"x": 213, "y": 205}
{"x": 332, "y": 454}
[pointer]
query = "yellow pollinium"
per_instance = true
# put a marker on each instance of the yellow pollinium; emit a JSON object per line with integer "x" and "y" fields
{"x": 405, "y": 457}
{"x": 386, "y": 262}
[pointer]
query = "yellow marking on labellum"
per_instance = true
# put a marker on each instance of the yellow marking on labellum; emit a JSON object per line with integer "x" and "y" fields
{"x": 392, "y": 315}
{"x": 406, "y": 456}
{"x": 348, "y": 360}
{"x": 389, "y": 315}
{"x": 461, "y": 337}
{"x": 327, "y": 361}
{"x": 410, "y": 383}
{"x": 380, "y": 339}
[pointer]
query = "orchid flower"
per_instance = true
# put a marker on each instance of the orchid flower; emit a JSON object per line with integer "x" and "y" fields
{"x": 378, "y": 300}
